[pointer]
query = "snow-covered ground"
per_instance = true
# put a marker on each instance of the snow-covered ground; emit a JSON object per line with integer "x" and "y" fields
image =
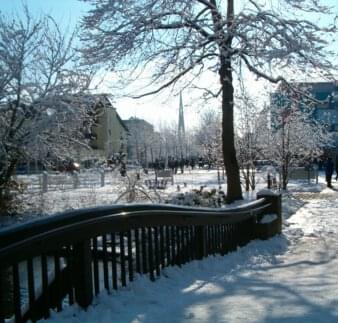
{"x": 37, "y": 204}
{"x": 289, "y": 278}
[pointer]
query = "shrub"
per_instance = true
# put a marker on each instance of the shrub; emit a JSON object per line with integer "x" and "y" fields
{"x": 201, "y": 197}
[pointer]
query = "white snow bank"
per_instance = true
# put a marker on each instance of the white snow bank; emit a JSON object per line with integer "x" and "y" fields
{"x": 268, "y": 218}
{"x": 177, "y": 294}
{"x": 268, "y": 192}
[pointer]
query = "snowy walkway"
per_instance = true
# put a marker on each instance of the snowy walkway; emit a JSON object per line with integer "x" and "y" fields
{"x": 291, "y": 278}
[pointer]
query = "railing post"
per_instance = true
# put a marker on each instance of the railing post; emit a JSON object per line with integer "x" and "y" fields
{"x": 76, "y": 179}
{"x": 82, "y": 274}
{"x": 102, "y": 178}
{"x": 269, "y": 181}
{"x": 2, "y": 296}
{"x": 6, "y": 293}
{"x": 44, "y": 182}
{"x": 275, "y": 201}
{"x": 200, "y": 242}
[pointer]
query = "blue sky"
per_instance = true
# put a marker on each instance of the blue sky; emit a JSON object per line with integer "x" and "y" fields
{"x": 64, "y": 11}
{"x": 67, "y": 13}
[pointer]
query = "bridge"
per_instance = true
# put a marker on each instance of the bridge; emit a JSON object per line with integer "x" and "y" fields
{"x": 70, "y": 257}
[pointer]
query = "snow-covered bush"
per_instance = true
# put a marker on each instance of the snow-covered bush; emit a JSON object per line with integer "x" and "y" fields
{"x": 132, "y": 190}
{"x": 9, "y": 202}
{"x": 201, "y": 197}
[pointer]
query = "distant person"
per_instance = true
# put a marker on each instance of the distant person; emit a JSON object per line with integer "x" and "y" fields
{"x": 176, "y": 164}
{"x": 192, "y": 163}
{"x": 328, "y": 171}
{"x": 181, "y": 164}
{"x": 123, "y": 169}
{"x": 200, "y": 162}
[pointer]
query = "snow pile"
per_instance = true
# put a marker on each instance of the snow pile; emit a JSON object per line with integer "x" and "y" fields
{"x": 178, "y": 293}
{"x": 268, "y": 218}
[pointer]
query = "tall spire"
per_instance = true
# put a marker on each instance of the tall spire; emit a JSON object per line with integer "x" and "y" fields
{"x": 181, "y": 128}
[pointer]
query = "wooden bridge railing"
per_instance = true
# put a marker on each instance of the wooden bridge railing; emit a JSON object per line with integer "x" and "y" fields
{"x": 72, "y": 256}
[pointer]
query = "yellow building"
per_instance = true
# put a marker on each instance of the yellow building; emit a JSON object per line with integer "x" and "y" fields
{"x": 109, "y": 133}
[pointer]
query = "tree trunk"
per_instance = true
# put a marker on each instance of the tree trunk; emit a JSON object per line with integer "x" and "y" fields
{"x": 285, "y": 176}
{"x": 247, "y": 179}
{"x": 253, "y": 179}
{"x": 234, "y": 190}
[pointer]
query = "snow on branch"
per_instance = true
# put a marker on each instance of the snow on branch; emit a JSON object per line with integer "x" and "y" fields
{"x": 176, "y": 36}
{"x": 41, "y": 114}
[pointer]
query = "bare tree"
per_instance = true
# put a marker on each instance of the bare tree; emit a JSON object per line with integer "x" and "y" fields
{"x": 41, "y": 110}
{"x": 179, "y": 40}
{"x": 251, "y": 128}
{"x": 169, "y": 140}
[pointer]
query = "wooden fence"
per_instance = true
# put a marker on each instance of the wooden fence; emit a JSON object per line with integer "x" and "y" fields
{"x": 49, "y": 181}
{"x": 304, "y": 173}
{"x": 72, "y": 256}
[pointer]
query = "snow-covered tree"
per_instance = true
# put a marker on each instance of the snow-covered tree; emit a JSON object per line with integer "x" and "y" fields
{"x": 208, "y": 137}
{"x": 179, "y": 40}
{"x": 42, "y": 112}
{"x": 169, "y": 140}
{"x": 251, "y": 129}
{"x": 141, "y": 140}
{"x": 296, "y": 138}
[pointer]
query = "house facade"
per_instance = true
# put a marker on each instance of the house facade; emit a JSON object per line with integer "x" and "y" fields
{"x": 326, "y": 110}
{"x": 109, "y": 134}
{"x": 141, "y": 141}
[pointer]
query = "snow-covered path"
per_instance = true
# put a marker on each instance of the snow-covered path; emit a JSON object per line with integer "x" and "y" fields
{"x": 290, "y": 278}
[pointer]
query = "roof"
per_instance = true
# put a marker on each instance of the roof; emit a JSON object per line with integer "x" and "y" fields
{"x": 104, "y": 99}
{"x": 137, "y": 122}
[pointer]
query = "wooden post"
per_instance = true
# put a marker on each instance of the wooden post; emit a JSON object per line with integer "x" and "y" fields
{"x": 275, "y": 201}
{"x": 2, "y": 296}
{"x": 36, "y": 166}
{"x": 44, "y": 182}
{"x": 6, "y": 293}
{"x": 102, "y": 178}
{"x": 269, "y": 181}
{"x": 82, "y": 274}
{"x": 200, "y": 242}
{"x": 76, "y": 179}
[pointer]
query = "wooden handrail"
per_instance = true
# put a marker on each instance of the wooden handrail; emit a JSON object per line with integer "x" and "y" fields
{"x": 33, "y": 227}
{"x": 120, "y": 239}
{"x": 88, "y": 228}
